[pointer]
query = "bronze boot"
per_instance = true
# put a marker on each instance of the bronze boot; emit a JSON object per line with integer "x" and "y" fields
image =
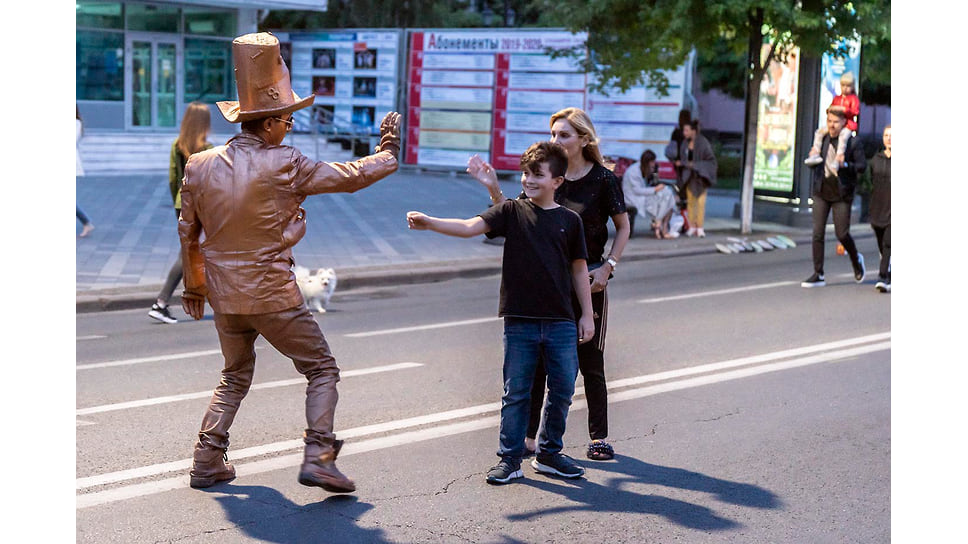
{"x": 319, "y": 468}
{"x": 209, "y": 467}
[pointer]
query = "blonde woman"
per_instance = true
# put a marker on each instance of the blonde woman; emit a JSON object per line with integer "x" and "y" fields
{"x": 591, "y": 189}
{"x": 192, "y": 138}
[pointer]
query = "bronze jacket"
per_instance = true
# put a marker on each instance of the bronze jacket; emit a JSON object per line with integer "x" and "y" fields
{"x": 245, "y": 198}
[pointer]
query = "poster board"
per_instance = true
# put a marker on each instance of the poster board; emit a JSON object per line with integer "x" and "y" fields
{"x": 485, "y": 92}
{"x": 629, "y": 123}
{"x": 776, "y": 128}
{"x": 353, "y": 73}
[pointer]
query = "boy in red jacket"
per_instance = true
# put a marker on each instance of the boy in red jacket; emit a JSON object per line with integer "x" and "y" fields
{"x": 851, "y": 105}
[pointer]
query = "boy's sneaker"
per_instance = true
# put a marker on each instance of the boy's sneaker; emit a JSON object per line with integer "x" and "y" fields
{"x": 813, "y": 160}
{"x": 859, "y": 270}
{"x": 504, "y": 472}
{"x": 815, "y": 280}
{"x": 558, "y": 464}
{"x": 161, "y": 313}
{"x": 882, "y": 285}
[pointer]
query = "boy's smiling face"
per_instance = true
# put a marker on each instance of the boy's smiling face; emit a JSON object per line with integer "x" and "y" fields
{"x": 540, "y": 185}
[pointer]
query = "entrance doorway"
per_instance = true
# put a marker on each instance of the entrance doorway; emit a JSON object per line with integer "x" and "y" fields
{"x": 153, "y": 80}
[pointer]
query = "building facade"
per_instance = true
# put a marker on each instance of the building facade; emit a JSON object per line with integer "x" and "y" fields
{"x": 140, "y": 63}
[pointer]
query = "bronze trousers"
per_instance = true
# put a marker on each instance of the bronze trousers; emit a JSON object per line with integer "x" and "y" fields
{"x": 295, "y": 333}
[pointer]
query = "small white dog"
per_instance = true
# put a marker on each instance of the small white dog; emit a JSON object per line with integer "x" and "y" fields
{"x": 316, "y": 288}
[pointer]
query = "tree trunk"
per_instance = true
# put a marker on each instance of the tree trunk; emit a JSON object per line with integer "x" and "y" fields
{"x": 757, "y": 68}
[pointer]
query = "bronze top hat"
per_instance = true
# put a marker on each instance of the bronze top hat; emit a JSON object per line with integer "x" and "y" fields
{"x": 262, "y": 80}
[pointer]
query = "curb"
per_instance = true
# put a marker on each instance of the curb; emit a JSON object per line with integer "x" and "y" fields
{"x": 143, "y": 296}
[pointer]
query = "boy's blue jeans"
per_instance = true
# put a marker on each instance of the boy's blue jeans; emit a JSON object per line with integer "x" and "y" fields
{"x": 524, "y": 340}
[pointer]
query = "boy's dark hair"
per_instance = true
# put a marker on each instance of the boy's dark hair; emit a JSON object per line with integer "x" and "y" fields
{"x": 545, "y": 152}
{"x": 647, "y": 156}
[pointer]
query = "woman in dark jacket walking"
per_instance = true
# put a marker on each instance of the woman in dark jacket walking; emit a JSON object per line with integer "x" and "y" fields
{"x": 880, "y": 211}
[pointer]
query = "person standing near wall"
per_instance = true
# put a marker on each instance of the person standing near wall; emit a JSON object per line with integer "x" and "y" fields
{"x": 192, "y": 138}
{"x": 698, "y": 163}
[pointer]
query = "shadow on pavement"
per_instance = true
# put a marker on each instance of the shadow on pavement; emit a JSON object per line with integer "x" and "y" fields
{"x": 265, "y": 514}
{"x": 611, "y": 497}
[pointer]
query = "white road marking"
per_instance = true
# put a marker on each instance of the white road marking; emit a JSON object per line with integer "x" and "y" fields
{"x": 423, "y": 327}
{"x": 153, "y": 359}
{"x": 729, "y": 291}
{"x": 718, "y": 292}
{"x": 842, "y": 351}
{"x": 205, "y": 394}
{"x": 91, "y": 337}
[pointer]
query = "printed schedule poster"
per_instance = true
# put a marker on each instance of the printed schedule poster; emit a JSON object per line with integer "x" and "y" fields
{"x": 640, "y": 118}
{"x": 353, "y": 74}
{"x": 486, "y": 92}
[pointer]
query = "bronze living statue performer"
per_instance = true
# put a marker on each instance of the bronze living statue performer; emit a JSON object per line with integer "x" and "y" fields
{"x": 245, "y": 198}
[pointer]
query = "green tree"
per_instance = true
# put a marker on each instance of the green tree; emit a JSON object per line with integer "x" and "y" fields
{"x": 631, "y": 41}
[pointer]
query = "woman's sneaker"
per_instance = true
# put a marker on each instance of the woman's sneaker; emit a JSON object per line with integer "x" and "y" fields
{"x": 815, "y": 280}
{"x": 504, "y": 472}
{"x": 161, "y": 313}
{"x": 882, "y": 285}
{"x": 558, "y": 464}
{"x": 859, "y": 270}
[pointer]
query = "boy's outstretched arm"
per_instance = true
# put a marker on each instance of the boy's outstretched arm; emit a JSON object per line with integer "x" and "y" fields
{"x": 586, "y": 321}
{"x": 462, "y": 228}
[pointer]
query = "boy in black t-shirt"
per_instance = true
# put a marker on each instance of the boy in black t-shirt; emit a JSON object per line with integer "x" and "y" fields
{"x": 544, "y": 261}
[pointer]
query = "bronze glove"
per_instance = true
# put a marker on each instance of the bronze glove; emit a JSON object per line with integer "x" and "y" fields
{"x": 390, "y": 134}
{"x": 193, "y": 304}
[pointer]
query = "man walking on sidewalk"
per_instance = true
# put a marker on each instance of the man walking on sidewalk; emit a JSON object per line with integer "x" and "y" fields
{"x": 245, "y": 198}
{"x": 833, "y": 191}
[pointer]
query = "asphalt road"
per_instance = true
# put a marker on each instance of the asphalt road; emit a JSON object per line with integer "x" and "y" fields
{"x": 743, "y": 408}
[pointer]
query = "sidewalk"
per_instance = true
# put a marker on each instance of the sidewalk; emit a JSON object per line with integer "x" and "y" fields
{"x": 124, "y": 262}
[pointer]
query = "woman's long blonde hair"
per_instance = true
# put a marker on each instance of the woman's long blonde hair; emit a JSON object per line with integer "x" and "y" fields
{"x": 194, "y": 129}
{"x": 582, "y": 124}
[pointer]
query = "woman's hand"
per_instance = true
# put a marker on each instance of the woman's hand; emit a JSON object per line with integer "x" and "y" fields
{"x": 482, "y": 172}
{"x": 599, "y": 278}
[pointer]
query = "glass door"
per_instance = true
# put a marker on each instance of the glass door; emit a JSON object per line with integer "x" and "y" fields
{"x": 152, "y": 79}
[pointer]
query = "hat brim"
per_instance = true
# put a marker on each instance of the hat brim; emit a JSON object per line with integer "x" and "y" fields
{"x": 233, "y": 113}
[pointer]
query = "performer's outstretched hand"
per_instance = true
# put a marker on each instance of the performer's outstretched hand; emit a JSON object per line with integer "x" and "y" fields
{"x": 390, "y": 134}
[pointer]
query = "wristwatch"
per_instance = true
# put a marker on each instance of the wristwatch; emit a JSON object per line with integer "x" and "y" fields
{"x": 612, "y": 262}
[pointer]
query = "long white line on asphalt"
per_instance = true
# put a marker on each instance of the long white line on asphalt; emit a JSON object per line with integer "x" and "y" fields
{"x": 726, "y": 291}
{"x": 208, "y": 393}
{"x": 91, "y": 337}
{"x": 820, "y": 354}
{"x": 153, "y": 359}
{"x": 423, "y": 327}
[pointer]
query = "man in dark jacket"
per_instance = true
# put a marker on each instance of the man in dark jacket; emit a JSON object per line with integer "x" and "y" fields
{"x": 240, "y": 218}
{"x": 833, "y": 187}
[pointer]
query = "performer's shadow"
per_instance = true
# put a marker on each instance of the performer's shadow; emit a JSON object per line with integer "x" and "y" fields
{"x": 265, "y": 514}
{"x": 613, "y": 497}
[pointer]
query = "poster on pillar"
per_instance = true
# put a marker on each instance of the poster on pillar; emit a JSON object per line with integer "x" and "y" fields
{"x": 486, "y": 92}
{"x": 834, "y": 72}
{"x": 776, "y": 127}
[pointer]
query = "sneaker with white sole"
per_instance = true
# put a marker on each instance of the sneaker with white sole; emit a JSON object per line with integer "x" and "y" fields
{"x": 504, "y": 472}
{"x": 813, "y": 160}
{"x": 859, "y": 270}
{"x": 161, "y": 313}
{"x": 882, "y": 285}
{"x": 558, "y": 464}
{"x": 815, "y": 280}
